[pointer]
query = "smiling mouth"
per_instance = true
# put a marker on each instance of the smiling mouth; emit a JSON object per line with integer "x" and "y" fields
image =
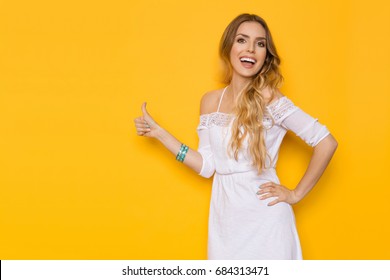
{"x": 248, "y": 60}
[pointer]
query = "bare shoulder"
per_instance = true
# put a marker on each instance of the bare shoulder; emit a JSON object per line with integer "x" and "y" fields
{"x": 269, "y": 99}
{"x": 209, "y": 102}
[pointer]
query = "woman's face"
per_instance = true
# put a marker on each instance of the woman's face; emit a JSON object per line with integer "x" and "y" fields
{"x": 249, "y": 49}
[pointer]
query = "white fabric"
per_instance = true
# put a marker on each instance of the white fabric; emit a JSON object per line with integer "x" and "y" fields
{"x": 240, "y": 225}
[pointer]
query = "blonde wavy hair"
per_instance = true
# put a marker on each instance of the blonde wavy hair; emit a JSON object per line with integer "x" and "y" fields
{"x": 250, "y": 107}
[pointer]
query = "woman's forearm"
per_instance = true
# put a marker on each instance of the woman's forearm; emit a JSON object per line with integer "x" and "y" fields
{"x": 320, "y": 159}
{"x": 193, "y": 158}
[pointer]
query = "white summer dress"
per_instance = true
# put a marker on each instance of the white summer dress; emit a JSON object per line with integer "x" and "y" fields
{"x": 241, "y": 226}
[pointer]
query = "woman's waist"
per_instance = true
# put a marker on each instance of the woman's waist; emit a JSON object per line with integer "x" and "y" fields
{"x": 247, "y": 179}
{"x": 265, "y": 173}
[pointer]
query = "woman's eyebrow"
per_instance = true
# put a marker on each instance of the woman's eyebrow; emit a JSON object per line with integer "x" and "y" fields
{"x": 246, "y": 36}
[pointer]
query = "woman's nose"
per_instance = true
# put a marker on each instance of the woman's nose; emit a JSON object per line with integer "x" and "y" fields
{"x": 251, "y": 48}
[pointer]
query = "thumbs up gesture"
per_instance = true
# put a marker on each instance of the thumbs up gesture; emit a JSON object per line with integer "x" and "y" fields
{"x": 145, "y": 125}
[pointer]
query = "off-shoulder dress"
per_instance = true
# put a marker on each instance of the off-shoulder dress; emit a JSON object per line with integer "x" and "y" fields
{"x": 241, "y": 226}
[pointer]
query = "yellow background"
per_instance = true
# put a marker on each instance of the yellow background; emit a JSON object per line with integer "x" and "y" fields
{"x": 77, "y": 183}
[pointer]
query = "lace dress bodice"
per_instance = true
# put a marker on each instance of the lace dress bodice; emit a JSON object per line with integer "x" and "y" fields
{"x": 214, "y": 132}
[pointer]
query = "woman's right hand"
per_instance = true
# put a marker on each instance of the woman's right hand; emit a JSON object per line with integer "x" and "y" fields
{"x": 145, "y": 125}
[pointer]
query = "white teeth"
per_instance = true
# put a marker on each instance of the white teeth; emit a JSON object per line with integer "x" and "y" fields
{"x": 247, "y": 59}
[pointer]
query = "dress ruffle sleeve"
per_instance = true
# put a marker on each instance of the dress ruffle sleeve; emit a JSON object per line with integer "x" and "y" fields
{"x": 204, "y": 148}
{"x": 291, "y": 117}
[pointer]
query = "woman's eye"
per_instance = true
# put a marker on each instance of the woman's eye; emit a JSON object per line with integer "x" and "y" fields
{"x": 240, "y": 40}
{"x": 261, "y": 44}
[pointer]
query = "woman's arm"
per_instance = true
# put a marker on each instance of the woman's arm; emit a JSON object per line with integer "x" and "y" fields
{"x": 146, "y": 126}
{"x": 320, "y": 159}
{"x": 290, "y": 117}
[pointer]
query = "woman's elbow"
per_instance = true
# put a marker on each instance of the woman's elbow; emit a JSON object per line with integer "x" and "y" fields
{"x": 207, "y": 172}
{"x": 329, "y": 143}
{"x": 207, "y": 175}
{"x": 333, "y": 144}
{"x": 208, "y": 166}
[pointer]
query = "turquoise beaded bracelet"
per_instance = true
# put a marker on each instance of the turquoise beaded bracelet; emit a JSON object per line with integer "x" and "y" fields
{"x": 182, "y": 153}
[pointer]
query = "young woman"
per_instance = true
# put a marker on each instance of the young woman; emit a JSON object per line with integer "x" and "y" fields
{"x": 240, "y": 132}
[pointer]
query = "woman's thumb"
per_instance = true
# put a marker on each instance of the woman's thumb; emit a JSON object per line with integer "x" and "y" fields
{"x": 144, "y": 111}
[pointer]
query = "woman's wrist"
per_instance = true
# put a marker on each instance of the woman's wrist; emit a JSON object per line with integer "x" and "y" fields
{"x": 295, "y": 196}
{"x": 160, "y": 133}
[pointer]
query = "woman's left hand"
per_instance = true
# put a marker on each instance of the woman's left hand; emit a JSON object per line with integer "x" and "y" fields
{"x": 281, "y": 193}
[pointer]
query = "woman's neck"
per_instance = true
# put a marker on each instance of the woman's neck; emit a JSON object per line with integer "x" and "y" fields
{"x": 237, "y": 84}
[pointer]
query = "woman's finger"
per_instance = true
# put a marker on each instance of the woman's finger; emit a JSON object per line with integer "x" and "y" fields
{"x": 266, "y": 190}
{"x": 273, "y": 202}
{"x": 143, "y": 130}
{"x": 144, "y": 111}
{"x": 268, "y": 184}
{"x": 262, "y": 197}
{"x": 148, "y": 119}
{"x": 140, "y": 120}
{"x": 142, "y": 125}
